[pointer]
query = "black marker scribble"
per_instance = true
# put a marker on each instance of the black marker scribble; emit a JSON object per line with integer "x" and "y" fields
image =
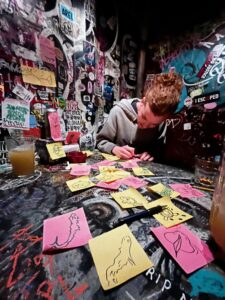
{"x": 129, "y": 200}
{"x": 122, "y": 260}
{"x": 180, "y": 242}
{"x": 169, "y": 215}
{"x": 74, "y": 227}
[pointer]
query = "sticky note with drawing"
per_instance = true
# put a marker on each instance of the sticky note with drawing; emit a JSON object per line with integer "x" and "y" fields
{"x": 121, "y": 257}
{"x": 162, "y": 190}
{"x": 142, "y": 171}
{"x": 184, "y": 246}
{"x": 110, "y": 157}
{"x": 80, "y": 183}
{"x": 111, "y": 176}
{"x": 66, "y": 231}
{"x": 129, "y": 198}
{"x": 171, "y": 214}
{"x": 55, "y": 150}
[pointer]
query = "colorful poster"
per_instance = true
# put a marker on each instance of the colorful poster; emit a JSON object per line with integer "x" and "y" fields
{"x": 38, "y": 77}
{"x": 187, "y": 249}
{"x": 47, "y": 50}
{"x": 15, "y": 114}
{"x": 55, "y": 127}
{"x": 118, "y": 257}
{"x": 66, "y": 231}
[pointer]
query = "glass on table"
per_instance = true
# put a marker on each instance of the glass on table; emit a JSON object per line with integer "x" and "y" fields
{"x": 21, "y": 155}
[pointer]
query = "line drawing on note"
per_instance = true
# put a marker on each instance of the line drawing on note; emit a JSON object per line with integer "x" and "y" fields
{"x": 122, "y": 260}
{"x": 74, "y": 227}
{"x": 169, "y": 215}
{"x": 180, "y": 242}
{"x": 129, "y": 200}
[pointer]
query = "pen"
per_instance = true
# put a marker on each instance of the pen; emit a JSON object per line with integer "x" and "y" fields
{"x": 143, "y": 214}
{"x": 203, "y": 188}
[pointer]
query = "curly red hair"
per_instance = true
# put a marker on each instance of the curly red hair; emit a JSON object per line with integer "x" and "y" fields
{"x": 164, "y": 93}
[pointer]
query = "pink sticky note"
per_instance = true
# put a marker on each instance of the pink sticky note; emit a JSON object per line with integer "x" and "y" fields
{"x": 102, "y": 163}
{"x": 55, "y": 128}
{"x": 66, "y": 231}
{"x": 133, "y": 182}
{"x": 130, "y": 163}
{"x": 111, "y": 186}
{"x": 186, "y": 248}
{"x": 79, "y": 170}
{"x": 186, "y": 190}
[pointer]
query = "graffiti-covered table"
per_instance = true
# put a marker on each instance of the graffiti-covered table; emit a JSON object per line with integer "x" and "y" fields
{"x": 28, "y": 274}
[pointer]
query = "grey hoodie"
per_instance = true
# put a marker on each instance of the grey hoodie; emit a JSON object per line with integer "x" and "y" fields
{"x": 121, "y": 129}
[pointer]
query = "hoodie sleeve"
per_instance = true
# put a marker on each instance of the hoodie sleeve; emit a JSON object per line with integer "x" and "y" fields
{"x": 107, "y": 135}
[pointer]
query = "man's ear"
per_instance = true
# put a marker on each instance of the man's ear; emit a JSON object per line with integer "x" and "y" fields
{"x": 143, "y": 100}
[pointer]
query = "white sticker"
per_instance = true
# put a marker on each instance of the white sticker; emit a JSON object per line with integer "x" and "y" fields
{"x": 187, "y": 126}
{"x": 23, "y": 93}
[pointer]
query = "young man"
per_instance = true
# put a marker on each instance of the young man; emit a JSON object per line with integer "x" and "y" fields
{"x": 134, "y": 126}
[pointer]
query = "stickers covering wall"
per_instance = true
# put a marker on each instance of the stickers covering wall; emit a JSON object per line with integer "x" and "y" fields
{"x": 199, "y": 124}
{"x": 50, "y": 57}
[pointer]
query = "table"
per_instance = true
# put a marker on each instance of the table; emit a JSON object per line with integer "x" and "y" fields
{"x": 28, "y": 274}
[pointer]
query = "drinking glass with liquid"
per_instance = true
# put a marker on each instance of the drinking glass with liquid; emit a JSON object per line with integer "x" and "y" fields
{"x": 21, "y": 155}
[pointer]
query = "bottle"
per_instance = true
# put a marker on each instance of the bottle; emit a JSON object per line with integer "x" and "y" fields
{"x": 217, "y": 213}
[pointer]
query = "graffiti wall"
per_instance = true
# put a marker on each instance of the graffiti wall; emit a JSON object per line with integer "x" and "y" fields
{"x": 198, "y": 126}
{"x": 57, "y": 55}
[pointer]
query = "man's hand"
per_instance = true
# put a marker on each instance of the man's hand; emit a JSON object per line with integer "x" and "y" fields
{"x": 144, "y": 156}
{"x": 124, "y": 152}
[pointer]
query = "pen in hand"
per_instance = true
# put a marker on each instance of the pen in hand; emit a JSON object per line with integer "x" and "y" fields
{"x": 143, "y": 214}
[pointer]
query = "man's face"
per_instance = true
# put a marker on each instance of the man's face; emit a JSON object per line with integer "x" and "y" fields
{"x": 146, "y": 118}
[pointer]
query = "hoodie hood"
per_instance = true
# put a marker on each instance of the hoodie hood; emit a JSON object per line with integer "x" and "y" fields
{"x": 126, "y": 106}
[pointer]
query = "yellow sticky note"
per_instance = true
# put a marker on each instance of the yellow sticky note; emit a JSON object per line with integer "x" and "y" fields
{"x": 109, "y": 157}
{"x": 118, "y": 257}
{"x": 162, "y": 190}
{"x": 107, "y": 169}
{"x": 171, "y": 215}
{"x": 80, "y": 183}
{"x": 38, "y": 77}
{"x": 55, "y": 150}
{"x": 112, "y": 176}
{"x": 129, "y": 198}
{"x": 88, "y": 152}
{"x": 142, "y": 171}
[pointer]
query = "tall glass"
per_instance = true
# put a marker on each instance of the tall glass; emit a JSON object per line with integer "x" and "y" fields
{"x": 217, "y": 214}
{"x": 21, "y": 155}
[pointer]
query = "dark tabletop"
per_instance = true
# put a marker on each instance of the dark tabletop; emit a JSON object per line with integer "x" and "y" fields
{"x": 25, "y": 273}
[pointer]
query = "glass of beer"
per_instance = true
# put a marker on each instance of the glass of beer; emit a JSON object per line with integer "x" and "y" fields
{"x": 21, "y": 155}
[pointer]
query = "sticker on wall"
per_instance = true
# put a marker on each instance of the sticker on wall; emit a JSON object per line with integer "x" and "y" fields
{"x": 47, "y": 50}
{"x": 38, "y": 77}
{"x": 23, "y": 93}
{"x": 15, "y": 114}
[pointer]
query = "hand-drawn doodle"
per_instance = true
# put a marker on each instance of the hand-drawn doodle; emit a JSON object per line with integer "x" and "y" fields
{"x": 129, "y": 200}
{"x": 78, "y": 185}
{"x": 169, "y": 214}
{"x": 74, "y": 227}
{"x": 56, "y": 149}
{"x": 122, "y": 260}
{"x": 181, "y": 242}
{"x": 166, "y": 192}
